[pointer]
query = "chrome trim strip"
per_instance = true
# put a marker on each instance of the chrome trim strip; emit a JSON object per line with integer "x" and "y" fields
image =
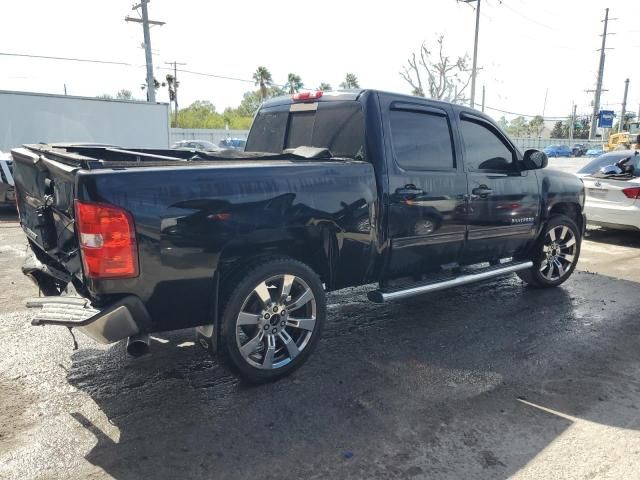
{"x": 462, "y": 280}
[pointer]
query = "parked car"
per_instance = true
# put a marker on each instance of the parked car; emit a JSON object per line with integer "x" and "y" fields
{"x": 245, "y": 250}
{"x": 558, "y": 151}
{"x": 595, "y": 152}
{"x": 579, "y": 149}
{"x": 203, "y": 145}
{"x": 612, "y": 184}
{"x": 233, "y": 143}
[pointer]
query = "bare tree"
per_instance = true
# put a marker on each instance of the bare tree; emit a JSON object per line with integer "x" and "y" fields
{"x": 441, "y": 78}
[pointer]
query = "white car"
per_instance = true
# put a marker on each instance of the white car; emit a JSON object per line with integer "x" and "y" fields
{"x": 613, "y": 201}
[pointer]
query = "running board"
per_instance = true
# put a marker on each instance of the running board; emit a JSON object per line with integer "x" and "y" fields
{"x": 384, "y": 295}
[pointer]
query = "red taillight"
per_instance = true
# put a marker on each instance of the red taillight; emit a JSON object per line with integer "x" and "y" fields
{"x": 633, "y": 192}
{"x": 307, "y": 95}
{"x": 107, "y": 241}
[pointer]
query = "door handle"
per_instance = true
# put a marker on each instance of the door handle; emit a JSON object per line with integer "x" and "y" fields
{"x": 409, "y": 189}
{"x": 482, "y": 191}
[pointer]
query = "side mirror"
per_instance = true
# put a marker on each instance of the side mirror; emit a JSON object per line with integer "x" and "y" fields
{"x": 535, "y": 159}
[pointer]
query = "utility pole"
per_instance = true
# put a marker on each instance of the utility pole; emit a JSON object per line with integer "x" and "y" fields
{"x": 474, "y": 68}
{"x": 175, "y": 88}
{"x": 598, "y": 92}
{"x": 573, "y": 121}
{"x": 151, "y": 88}
{"x": 624, "y": 106}
{"x": 483, "y": 98}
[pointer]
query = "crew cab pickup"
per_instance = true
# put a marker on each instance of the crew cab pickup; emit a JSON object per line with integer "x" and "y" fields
{"x": 334, "y": 190}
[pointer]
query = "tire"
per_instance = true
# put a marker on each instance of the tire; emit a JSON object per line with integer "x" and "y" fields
{"x": 257, "y": 341}
{"x": 555, "y": 254}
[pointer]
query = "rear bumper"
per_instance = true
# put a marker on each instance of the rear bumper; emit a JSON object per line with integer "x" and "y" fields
{"x": 618, "y": 217}
{"x": 122, "y": 319}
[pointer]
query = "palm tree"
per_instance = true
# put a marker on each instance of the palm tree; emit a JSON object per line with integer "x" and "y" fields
{"x": 262, "y": 77}
{"x": 325, "y": 87}
{"x": 350, "y": 81}
{"x": 294, "y": 83}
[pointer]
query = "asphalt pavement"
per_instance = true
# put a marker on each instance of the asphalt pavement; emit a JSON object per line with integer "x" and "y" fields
{"x": 493, "y": 380}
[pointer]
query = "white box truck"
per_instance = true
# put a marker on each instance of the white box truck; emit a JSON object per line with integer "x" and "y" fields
{"x": 27, "y": 118}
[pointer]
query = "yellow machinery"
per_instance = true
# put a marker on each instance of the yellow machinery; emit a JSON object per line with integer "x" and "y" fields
{"x": 624, "y": 140}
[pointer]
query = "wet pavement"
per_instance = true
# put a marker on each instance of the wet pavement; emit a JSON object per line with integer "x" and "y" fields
{"x": 493, "y": 380}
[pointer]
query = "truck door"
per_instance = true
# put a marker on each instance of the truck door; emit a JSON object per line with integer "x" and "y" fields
{"x": 504, "y": 200}
{"x": 427, "y": 187}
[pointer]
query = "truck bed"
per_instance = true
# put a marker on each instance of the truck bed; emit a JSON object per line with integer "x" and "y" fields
{"x": 191, "y": 214}
{"x": 92, "y": 157}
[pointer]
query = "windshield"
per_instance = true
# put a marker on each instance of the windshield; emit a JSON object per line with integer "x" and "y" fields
{"x": 337, "y": 126}
{"x": 610, "y": 159}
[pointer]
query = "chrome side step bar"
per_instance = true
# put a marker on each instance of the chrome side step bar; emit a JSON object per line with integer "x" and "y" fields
{"x": 381, "y": 296}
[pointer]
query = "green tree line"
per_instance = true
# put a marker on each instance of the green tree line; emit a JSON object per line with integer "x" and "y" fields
{"x": 203, "y": 113}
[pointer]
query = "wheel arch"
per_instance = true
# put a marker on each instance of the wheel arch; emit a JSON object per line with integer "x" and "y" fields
{"x": 571, "y": 210}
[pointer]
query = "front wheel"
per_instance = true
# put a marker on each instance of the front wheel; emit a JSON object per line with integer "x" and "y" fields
{"x": 555, "y": 254}
{"x": 272, "y": 319}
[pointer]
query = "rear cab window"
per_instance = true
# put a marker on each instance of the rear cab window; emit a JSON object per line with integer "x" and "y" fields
{"x": 337, "y": 126}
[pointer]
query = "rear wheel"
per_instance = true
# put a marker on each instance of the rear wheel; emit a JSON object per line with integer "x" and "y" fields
{"x": 272, "y": 319}
{"x": 555, "y": 254}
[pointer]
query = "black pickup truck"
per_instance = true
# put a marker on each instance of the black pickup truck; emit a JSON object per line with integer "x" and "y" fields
{"x": 334, "y": 190}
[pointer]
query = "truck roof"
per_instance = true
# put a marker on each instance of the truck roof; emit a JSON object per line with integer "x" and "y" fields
{"x": 355, "y": 94}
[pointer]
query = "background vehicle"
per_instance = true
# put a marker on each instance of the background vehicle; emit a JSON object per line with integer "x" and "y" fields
{"x": 41, "y": 117}
{"x": 558, "y": 151}
{"x": 594, "y": 152}
{"x": 579, "y": 149}
{"x": 613, "y": 201}
{"x": 233, "y": 143}
{"x": 196, "y": 145}
{"x": 334, "y": 190}
{"x": 7, "y": 193}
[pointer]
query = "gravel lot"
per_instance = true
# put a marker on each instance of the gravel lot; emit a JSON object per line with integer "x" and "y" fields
{"x": 489, "y": 381}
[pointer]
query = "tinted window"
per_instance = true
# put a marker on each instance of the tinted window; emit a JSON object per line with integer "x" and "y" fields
{"x": 337, "y": 126}
{"x": 421, "y": 141}
{"x": 267, "y": 132}
{"x": 610, "y": 159}
{"x": 484, "y": 150}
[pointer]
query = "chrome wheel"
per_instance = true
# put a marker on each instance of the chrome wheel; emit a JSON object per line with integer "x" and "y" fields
{"x": 559, "y": 253}
{"x": 276, "y": 322}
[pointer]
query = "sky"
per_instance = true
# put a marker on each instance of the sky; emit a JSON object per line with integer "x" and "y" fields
{"x": 527, "y": 48}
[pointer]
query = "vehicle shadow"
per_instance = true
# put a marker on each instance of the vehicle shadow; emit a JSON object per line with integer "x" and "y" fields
{"x": 471, "y": 382}
{"x": 623, "y": 238}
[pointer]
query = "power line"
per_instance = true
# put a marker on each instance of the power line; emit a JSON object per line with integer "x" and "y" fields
{"x": 523, "y": 114}
{"x": 543, "y": 25}
{"x": 127, "y": 64}
{"x": 69, "y": 59}
{"x": 214, "y": 75}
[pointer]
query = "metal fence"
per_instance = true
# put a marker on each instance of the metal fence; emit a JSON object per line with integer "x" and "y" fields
{"x": 524, "y": 143}
{"x": 216, "y": 135}
{"x": 212, "y": 135}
